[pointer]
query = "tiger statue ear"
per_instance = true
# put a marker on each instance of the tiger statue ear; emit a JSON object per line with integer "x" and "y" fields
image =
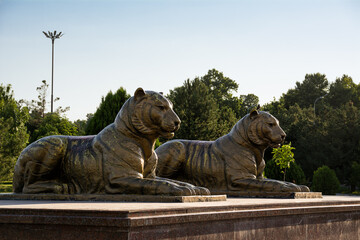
{"x": 139, "y": 94}
{"x": 254, "y": 113}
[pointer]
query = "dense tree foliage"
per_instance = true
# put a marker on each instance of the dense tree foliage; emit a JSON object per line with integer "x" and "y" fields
{"x": 283, "y": 157}
{"x": 197, "y": 110}
{"x": 321, "y": 119}
{"x": 304, "y": 94}
{"x": 107, "y": 111}
{"x": 13, "y": 132}
{"x": 343, "y": 91}
{"x": 294, "y": 174}
{"x": 36, "y": 124}
{"x": 81, "y": 124}
{"x": 205, "y": 106}
{"x": 322, "y": 122}
{"x": 247, "y": 103}
{"x": 54, "y": 124}
{"x": 355, "y": 176}
{"x": 325, "y": 181}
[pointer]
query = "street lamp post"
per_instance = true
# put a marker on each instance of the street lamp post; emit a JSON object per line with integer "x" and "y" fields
{"x": 318, "y": 100}
{"x": 52, "y": 36}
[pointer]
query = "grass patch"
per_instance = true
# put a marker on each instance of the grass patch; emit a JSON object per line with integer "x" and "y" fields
{"x": 6, "y": 187}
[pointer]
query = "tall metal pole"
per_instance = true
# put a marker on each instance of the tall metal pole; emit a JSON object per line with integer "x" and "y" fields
{"x": 52, "y": 76}
{"x": 52, "y": 36}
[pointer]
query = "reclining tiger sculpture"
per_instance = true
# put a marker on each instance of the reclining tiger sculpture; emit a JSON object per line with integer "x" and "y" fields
{"x": 118, "y": 160}
{"x": 234, "y": 162}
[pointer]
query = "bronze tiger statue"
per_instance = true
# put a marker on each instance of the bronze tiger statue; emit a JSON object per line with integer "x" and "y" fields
{"x": 234, "y": 162}
{"x": 118, "y": 160}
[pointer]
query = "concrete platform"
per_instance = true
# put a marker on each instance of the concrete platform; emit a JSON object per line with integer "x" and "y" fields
{"x": 112, "y": 197}
{"x": 330, "y": 217}
{"x": 269, "y": 194}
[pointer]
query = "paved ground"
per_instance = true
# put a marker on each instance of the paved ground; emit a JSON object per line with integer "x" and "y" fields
{"x": 139, "y": 206}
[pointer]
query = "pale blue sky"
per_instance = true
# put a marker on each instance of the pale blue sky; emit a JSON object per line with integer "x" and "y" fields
{"x": 265, "y": 46}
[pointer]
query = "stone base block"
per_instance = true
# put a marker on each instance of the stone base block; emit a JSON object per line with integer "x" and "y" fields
{"x": 330, "y": 217}
{"x": 292, "y": 195}
{"x": 112, "y": 197}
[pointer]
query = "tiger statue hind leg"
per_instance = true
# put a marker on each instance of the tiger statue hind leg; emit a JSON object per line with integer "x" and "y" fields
{"x": 172, "y": 159}
{"x": 37, "y": 169}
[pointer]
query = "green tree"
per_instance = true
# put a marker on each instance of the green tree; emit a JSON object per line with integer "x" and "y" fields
{"x": 107, "y": 111}
{"x": 355, "y": 176}
{"x": 37, "y": 109}
{"x": 222, "y": 89}
{"x": 332, "y": 136}
{"x": 283, "y": 156}
{"x": 13, "y": 132}
{"x": 325, "y": 181}
{"x": 220, "y": 86}
{"x": 305, "y": 93}
{"x": 54, "y": 124}
{"x": 248, "y": 102}
{"x": 81, "y": 124}
{"x": 207, "y": 107}
{"x": 197, "y": 109}
{"x": 294, "y": 174}
{"x": 306, "y": 135}
{"x": 342, "y": 139}
{"x": 343, "y": 91}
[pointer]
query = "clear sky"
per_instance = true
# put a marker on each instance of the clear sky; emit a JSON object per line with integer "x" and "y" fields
{"x": 265, "y": 46}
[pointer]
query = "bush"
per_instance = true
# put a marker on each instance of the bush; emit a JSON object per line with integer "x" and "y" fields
{"x": 283, "y": 156}
{"x": 294, "y": 174}
{"x": 355, "y": 176}
{"x": 6, "y": 187}
{"x": 325, "y": 181}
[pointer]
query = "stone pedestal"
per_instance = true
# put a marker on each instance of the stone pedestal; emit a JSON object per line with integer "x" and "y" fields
{"x": 269, "y": 194}
{"x": 112, "y": 197}
{"x": 330, "y": 217}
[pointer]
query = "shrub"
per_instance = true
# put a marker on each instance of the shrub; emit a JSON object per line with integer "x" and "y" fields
{"x": 325, "y": 181}
{"x": 6, "y": 187}
{"x": 294, "y": 174}
{"x": 355, "y": 176}
{"x": 283, "y": 156}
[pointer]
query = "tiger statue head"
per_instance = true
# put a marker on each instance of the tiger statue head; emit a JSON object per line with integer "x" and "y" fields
{"x": 150, "y": 114}
{"x": 262, "y": 129}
